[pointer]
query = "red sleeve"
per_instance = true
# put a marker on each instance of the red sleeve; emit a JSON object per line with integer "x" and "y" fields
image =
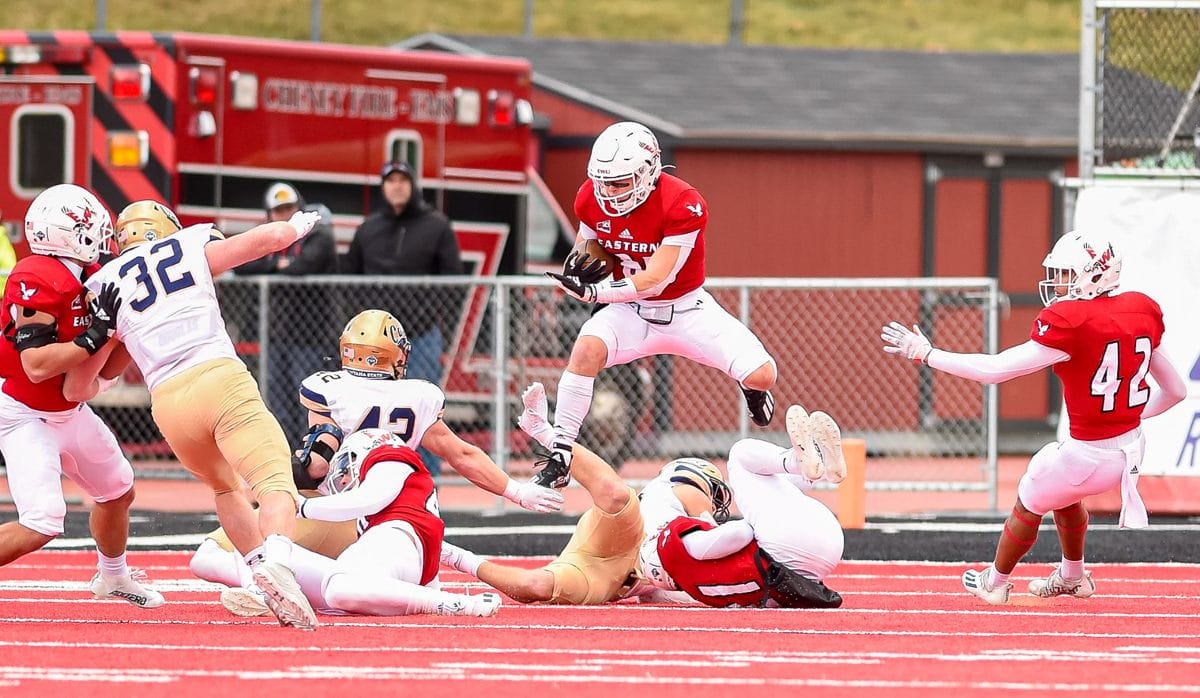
{"x": 683, "y": 525}
{"x": 401, "y": 454}
{"x": 585, "y": 197}
{"x": 1054, "y": 329}
{"x": 688, "y": 213}
{"x": 29, "y": 289}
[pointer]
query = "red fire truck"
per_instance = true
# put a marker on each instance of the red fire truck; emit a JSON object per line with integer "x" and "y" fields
{"x": 207, "y": 123}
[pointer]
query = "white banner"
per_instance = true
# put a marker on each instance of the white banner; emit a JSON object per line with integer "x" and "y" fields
{"x": 1158, "y": 233}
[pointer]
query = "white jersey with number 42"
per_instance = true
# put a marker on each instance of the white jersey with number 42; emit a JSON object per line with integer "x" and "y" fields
{"x": 169, "y": 318}
{"x": 405, "y": 407}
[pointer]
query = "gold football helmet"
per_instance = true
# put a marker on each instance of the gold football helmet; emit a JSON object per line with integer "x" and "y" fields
{"x": 145, "y": 221}
{"x": 374, "y": 345}
{"x": 705, "y": 477}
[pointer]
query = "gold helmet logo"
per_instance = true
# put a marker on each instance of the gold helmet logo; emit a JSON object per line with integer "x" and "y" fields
{"x": 374, "y": 345}
{"x": 145, "y": 221}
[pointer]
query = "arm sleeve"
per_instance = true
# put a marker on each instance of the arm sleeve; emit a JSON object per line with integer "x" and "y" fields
{"x": 586, "y": 232}
{"x": 1171, "y": 388}
{"x": 382, "y": 486}
{"x": 726, "y": 539}
{"x": 1020, "y": 360}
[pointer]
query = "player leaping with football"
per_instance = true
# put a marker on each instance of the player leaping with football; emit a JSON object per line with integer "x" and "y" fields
{"x": 1101, "y": 346}
{"x": 654, "y": 224}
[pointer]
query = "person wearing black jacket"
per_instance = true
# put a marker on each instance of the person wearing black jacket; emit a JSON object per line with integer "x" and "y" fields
{"x": 301, "y": 315}
{"x": 409, "y": 237}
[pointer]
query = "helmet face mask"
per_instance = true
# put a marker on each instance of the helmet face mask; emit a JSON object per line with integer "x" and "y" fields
{"x": 68, "y": 221}
{"x": 1080, "y": 268}
{"x": 624, "y": 167}
{"x": 374, "y": 345}
{"x": 345, "y": 470}
{"x": 145, "y": 221}
{"x": 706, "y": 477}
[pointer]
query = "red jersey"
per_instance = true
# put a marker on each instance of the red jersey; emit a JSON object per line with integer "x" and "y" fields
{"x": 48, "y": 285}
{"x": 416, "y": 504}
{"x": 673, "y": 208}
{"x": 1110, "y": 340}
{"x": 733, "y": 580}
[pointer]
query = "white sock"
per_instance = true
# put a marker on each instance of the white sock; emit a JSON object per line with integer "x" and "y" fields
{"x": 112, "y": 566}
{"x": 996, "y": 579}
{"x": 1071, "y": 569}
{"x": 574, "y": 401}
{"x": 461, "y": 559}
{"x": 255, "y": 557}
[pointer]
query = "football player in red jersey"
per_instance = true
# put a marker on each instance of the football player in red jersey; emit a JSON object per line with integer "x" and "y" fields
{"x": 50, "y": 332}
{"x": 654, "y": 224}
{"x": 1101, "y": 345}
{"x": 782, "y": 549}
{"x": 392, "y": 569}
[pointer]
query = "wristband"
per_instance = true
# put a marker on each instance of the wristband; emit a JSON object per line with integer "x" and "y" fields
{"x": 92, "y": 339}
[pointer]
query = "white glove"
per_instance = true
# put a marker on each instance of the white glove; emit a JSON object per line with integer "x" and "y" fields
{"x": 535, "y": 420}
{"x": 304, "y": 221}
{"x": 911, "y": 344}
{"x": 533, "y": 497}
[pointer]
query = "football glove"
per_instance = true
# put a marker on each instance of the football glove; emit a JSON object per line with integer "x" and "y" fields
{"x": 103, "y": 309}
{"x": 586, "y": 268}
{"x": 911, "y": 344}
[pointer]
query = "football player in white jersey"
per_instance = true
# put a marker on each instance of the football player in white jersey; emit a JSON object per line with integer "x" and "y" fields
{"x": 599, "y": 564}
{"x": 370, "y": 391}
{"x": 203, "y": 399}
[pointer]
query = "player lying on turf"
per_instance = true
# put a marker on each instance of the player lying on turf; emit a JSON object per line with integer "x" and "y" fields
{"x": 370, "y": 391}
{"x": 599, "y": 563}
{"x": 787, "y": 542}
{"x": 392, "y": 568}
{"x": 1101, "y": 345}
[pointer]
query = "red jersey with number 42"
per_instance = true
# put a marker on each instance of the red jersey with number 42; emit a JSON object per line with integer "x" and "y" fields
{"x": 673, "y": 208}
{"x": 1110, "y": 340}
{"x": 733, "y": 580}
{"x": 416, "y": 504}
{"x": 48, "y": 285}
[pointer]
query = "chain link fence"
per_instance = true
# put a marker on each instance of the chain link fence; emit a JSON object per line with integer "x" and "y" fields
{"x": 1140, "y": 63}
{"x": 824, "y": 334}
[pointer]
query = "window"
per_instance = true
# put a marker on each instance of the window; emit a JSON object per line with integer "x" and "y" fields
{"x": 406, "y": 147}
{"x": 43, "y": 153}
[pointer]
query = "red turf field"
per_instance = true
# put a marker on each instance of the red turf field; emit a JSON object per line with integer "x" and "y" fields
{"x": 906, "y": 630}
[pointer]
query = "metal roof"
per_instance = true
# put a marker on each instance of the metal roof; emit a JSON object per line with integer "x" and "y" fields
{"x": 769, "y": 94}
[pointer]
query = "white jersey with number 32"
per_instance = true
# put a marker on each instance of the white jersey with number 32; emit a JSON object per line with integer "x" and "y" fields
{"x": 169, "y": 318}
{"x": 405, "y": 407}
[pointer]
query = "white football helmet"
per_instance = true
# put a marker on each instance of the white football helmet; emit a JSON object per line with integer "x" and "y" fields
{"x": 345, "y": 470}
{"x": 68, "y": 221}
{"x": 651, "y": 567}
{"x": 624, "y": 152}
{"x": 1080, "y": 267}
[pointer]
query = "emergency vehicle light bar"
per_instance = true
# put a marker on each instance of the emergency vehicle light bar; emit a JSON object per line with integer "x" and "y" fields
{"x": 35, "y": 53}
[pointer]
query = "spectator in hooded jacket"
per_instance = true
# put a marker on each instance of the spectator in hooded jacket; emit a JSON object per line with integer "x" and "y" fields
{"x": 409, "y": 237}
{"x": 301, "y": 315}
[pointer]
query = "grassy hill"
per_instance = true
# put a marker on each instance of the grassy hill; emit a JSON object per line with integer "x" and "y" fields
{"x": 922, "y": 25}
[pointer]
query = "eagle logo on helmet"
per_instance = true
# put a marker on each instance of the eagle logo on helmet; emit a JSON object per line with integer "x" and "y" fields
{"x": 83, "y": 220}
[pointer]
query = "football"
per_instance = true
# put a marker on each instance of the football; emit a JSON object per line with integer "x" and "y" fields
{"x": 590, "y": 262}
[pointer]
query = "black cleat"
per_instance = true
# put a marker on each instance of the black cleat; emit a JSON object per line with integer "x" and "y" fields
{"x": 556, "y": 470}
{"x": 761, "y": 405}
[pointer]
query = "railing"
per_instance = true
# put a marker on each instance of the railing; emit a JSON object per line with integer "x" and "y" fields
{"x": 499, "y": 334}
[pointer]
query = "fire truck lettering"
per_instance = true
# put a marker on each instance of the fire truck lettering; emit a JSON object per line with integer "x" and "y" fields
{"x": 432, "y": 107}
{"x": 63, "y": 94}
{"x": 367, "y": 102}
{"x": 15, "y": 94}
